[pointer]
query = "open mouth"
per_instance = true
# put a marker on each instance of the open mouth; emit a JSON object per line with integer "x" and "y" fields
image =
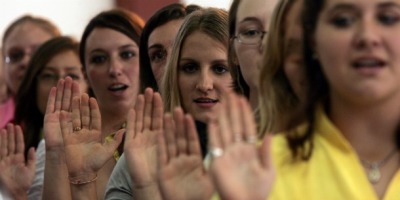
{"x": 368, "y": 63}
{"x": 117, "y": 87}
{"x": 205, "y": 100}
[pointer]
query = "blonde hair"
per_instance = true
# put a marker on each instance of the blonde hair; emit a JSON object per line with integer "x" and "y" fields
{"x": 211, "y": 21}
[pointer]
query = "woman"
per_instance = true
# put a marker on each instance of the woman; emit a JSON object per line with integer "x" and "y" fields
{"x": 283, "y": 83}
{"x": 112, "y": 70}
{"x": 155, "y": 49}
{"x": 156, "y": 42}
{"x": 20, "y": 41}
{"x": 248, "y": 23}
{"x": 351, "y": 134}
{"x": 55, "y": 59}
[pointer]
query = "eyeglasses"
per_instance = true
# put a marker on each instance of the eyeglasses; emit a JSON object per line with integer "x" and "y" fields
{"x": 250, "y": 37}
{"x": 17, "y": 55}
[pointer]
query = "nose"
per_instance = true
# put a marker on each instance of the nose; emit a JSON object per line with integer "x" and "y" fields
{"x": 205, "y": 82}
{"x": 115, "y": 68}
{"x": 367, "y": 34}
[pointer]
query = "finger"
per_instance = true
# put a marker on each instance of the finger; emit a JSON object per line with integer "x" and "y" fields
{"x": 76, "y": 112}
{"x": 250, "y": 131}
{"x": 75, "y": 89}
{"x": 224, "y": 124}
{"x": 265, "y": 152}
{"x": 65, "y": 124}
{"x": 130, "y": 126}
{"x": 85, "y": 111}
{"x": 234, "y": 119}
{"x": 139, "y": 109}
{"x": 148, "y": 107}
{"x": 11, "y": 139}
{"x": 162, "y": 152}
{"x": 59, "y": 95}
{"x": 192, "y": 137}
{"x": 180, "y": 131}
{"x": 158, "y": 111}
{"x": 213, "y": 135}
{"x": 95, "y": 116}
{"x": 50, "y": 108}
{"x": 19, "y": 137}
{"x": 112, "y": 145}
{"x": 4, "y": 141}
{"x": 67, "y": 94}
{"x": 169, "y": 135}
{"x": 31, "y": 162}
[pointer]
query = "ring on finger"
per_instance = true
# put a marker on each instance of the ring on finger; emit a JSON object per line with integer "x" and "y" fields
{"x": 252, "y": 139}
{"x": 76, "y": 129}
{"x": 216, "y": 152}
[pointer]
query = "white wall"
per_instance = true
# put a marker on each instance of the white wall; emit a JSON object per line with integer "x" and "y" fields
{"x": 71, "y": 16}
{"x": 210, "y": 3}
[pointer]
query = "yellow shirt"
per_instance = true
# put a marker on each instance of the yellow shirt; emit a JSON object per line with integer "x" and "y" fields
{"x": 333, "y": 172}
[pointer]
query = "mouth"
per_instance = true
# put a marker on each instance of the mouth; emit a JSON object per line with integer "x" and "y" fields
{"x": 117, "y": 87}
{"x": 368, "y": 63}
{"x": 205, "y": 100}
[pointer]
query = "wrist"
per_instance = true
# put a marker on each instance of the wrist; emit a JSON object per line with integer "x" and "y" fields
{"x": 83, "y": 178}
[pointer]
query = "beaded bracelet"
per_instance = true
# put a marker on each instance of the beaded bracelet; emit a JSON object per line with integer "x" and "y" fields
{"x": 78, "y": 181}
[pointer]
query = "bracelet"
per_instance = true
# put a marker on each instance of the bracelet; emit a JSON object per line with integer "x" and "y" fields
{"x": 78, "y": 181}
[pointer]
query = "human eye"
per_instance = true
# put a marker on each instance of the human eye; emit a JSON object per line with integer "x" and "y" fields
{"x": 220, "y": 69}
{"x": 15, "y": 55}
{"x": 75, "y": 77}
{"x": 98, "y": 59}
{"x": 189, "y": 68}
{"x": 343, "y": 20}
{"x": 251, "y": 33}
{"x": 158, "y": 56}
{"x": 48, "y": 76}
{"x": 387, "y": 18}
{"x": 127, "y": 54}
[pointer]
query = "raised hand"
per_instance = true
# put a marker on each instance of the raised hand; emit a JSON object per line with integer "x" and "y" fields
{"x": 144, "y": 125}
{"x": 60, "y": 98}
{"x": 81, "y": 131}
{"x": 181, "y": 171}
{"x": 239, "y": 169}
{"x": 16, "y": 176}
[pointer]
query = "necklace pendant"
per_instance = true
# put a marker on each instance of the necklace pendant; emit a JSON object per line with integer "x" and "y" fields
{"x": 374, "y": 175}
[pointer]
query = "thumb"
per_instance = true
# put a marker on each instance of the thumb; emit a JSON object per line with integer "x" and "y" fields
{"x": 113, "y": 144}
{"x": 31, "y": 162}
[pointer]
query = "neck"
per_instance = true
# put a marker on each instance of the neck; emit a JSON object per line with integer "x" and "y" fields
{"x": 371, "y": 130}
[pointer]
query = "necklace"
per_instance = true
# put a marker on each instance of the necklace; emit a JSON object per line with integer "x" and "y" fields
{"x": 373, "y": 172}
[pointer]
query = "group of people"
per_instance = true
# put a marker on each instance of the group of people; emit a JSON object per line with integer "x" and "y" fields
{"x": 273, "y": 99}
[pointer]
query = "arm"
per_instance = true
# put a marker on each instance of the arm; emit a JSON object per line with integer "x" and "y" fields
{"x": 239, "y": 169}
{"x": 181, "y": 171}
{"x": 84, "y": 151}
{"x": 16, "y": 176}
{"x": 140, "y": 148}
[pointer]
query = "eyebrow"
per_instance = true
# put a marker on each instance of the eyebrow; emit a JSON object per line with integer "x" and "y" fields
{"x": 68, "y": 68}
{"x": 251, "y": 19}
{"x": 342, "y": 6}
{"x": 388, "y": 4}
{"x": 155, "y": 46}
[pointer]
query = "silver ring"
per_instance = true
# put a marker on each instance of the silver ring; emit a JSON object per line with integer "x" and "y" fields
{"x": 216, "y": 152}
{"x": 76, "y": 129}
{"x": 252, "y": 139}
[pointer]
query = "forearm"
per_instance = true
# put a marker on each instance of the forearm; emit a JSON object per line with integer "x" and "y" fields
{"x": 85, "y": 191}
{"x": 147, "y": 193}
{"x": 56, "y": 184}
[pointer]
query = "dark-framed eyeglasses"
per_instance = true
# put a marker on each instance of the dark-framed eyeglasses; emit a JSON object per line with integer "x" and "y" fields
{"x": 250, "y": 37}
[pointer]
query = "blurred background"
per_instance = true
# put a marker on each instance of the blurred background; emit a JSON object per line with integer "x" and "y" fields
{"x": 73, "y": 15}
